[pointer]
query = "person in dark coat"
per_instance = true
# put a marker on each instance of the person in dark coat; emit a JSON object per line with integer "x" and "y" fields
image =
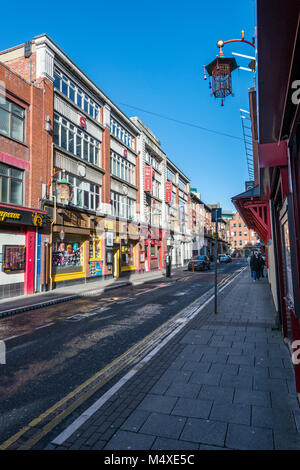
{"x": 261, "y": 265}
{"x": 255, "y": 266}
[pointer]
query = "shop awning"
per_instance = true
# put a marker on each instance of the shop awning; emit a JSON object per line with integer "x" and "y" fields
{"x": 255, "y": 212}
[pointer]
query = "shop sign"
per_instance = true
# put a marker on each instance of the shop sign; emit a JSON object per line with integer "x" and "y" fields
{"x": 109, "y": 224}
{"x": 22, "y": 217}
{"x": 148, "y": 178}
{"x": 168, "y": 191}
{"x": 82, "y": 121}
{"x": 109, "y": 238}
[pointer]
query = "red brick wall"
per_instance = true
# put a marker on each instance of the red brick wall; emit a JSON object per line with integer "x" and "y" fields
{"x": 241, "y": 237}
{"x": 26, "y": 67}
{"x": 37, "y": 147}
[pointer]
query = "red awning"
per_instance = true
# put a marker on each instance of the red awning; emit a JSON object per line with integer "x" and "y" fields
{"x": 273, "y": 154}
{"x": 255, "y": 212}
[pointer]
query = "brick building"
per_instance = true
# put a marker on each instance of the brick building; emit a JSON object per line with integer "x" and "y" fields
{"x": 242, "y": 239}
{"x": 83, "y": 164}
{"x": 25, "y": 155}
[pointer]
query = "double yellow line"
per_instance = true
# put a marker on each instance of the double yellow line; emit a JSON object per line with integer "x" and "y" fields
{"x": 107, "y": 372}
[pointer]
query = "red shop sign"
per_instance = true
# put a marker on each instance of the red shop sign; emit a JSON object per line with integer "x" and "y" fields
{"x": 168, "y": 191}
{"x": 82, "y": 121}
{"x": 148, "y": 178}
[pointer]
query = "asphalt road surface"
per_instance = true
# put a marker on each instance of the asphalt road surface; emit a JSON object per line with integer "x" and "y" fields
{"x": 52, "y": 351}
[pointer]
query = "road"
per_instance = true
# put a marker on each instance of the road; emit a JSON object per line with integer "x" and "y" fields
{"x": 52, "y": 351}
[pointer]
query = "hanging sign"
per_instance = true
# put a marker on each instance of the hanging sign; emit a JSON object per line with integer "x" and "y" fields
{"x": 148, "y": 178}
{"x": 168, "y": 191}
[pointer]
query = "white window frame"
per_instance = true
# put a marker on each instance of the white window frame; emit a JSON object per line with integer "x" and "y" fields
{"x": 93, "y": 108}
{"x": 93, "y": 145}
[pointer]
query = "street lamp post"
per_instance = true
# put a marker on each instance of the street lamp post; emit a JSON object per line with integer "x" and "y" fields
{"x": 215, "y": 217}
{"x": 220, "y": 70}
{"x": 65, "y": 196}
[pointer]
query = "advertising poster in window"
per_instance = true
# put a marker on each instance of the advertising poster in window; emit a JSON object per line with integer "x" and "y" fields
{"x": 13, "y": 258}
{"x": 109, "y": 239}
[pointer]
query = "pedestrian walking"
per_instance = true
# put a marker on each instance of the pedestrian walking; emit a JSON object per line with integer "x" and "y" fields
{"x": 249, "y": 263}
{"x": 255, "y": 266}
{"x": 261, "y": 265}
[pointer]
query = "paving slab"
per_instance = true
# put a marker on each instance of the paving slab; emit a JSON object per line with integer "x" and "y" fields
{"x": 242, "y": 437}
{"x": 230, "y": 386}
{"x": 192, "y": 408}
{"x": 124, "y": 440}
{"x": 163, "y": 425}
{"x": 204, "y": 431}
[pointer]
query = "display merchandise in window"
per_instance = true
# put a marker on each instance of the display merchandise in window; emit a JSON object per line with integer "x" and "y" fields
{"x": 67, "y": 255}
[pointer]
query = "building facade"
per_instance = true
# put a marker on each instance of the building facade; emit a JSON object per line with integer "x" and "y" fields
{"x": 152, "y": 207}
{"x": 24, "y": 148}
{"x": 178, "y": 215}
{"x": 242, "y": 239}
{"x": 271, "y": 207}
{"x": 106, "y": 199}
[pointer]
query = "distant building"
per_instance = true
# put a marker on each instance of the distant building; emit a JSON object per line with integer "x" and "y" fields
{"x": 242, "y": 239}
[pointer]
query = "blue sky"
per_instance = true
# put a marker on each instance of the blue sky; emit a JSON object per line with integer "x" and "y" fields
{"x": 150, "y": 55}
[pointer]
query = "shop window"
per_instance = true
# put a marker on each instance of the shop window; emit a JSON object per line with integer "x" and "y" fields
{"x": 11, "y": 185}
{"x": 127, "y": 254}
{"x": 67, "y": 256}
{"x": 12, "y": 120}
{"x": 152, "y": 251}
{"x": 95, "y": 249}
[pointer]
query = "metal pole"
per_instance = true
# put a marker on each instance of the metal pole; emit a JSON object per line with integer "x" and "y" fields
{"x": 216, "y": 268}
{"x": 44, "y": 288}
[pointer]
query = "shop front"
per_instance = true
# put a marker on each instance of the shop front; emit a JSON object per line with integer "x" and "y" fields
{"x": 152, "y": 252}
{"x": 75, "y": 248}
{"x": 95, "y": 256}
{"x": 68, "y": 255}
{"x": 129, "y": 243}
{"x": 18, "y": 231}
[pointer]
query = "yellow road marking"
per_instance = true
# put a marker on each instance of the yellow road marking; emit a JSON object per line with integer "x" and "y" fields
{"x": 55, "y": 421}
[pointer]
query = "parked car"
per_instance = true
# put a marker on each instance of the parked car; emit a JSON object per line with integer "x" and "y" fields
{"x": 223, "y": 258}
{"x": 200, "y": 263}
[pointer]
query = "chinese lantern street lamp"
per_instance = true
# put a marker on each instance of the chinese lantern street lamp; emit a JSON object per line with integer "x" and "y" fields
{"x": 220, "y": 71}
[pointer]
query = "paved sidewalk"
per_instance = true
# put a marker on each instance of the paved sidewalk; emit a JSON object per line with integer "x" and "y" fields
{"x": 223, "y": 382}
{"x": 22, "y": 303}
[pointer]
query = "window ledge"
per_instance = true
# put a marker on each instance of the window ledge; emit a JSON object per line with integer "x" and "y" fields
{"x": 122, "y": 143}
{"x": 78, "y": 159}
{"x": 14, "y": 140}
